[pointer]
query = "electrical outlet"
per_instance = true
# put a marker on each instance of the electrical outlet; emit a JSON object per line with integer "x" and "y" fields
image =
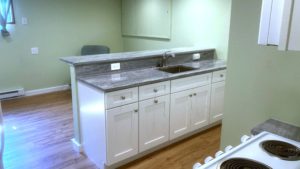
{"x": 35, "y": 50}
{"x": 115, "y": 66}
{"x": 196, "y": 56}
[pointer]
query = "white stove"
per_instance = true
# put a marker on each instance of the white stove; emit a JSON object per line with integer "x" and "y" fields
{"x": 263, "y": 151}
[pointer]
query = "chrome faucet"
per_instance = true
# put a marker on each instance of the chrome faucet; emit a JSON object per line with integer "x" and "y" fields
{"x": 166, "y": 56}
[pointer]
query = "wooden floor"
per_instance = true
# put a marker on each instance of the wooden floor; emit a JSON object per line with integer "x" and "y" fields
{"x": 38, "y": 130}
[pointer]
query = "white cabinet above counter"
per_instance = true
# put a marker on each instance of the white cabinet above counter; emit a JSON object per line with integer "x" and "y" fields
{"x": 120, "y": 126}
{"x": 279, "y": 24}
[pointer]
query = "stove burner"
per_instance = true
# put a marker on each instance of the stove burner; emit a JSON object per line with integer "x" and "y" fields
{"x": 242, "y": 163}
{"x": 283, "y": 150}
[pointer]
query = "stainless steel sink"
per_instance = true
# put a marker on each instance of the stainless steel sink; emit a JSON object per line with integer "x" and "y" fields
{"x": 176, "y": 69}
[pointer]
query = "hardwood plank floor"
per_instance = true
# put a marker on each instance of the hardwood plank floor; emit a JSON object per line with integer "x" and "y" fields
{"x": 38, "y": 130}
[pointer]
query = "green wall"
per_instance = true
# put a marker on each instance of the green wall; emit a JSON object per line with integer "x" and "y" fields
{"x": 262, "y": 82}
{"x": 203, "y": 23}
{"x": 59, "y": 28}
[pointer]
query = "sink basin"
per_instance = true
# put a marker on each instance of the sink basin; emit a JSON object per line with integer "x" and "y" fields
{"x": 176, "y": 69}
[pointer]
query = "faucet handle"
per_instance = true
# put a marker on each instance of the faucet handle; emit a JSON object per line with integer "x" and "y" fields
{"x": 169, "y": 54}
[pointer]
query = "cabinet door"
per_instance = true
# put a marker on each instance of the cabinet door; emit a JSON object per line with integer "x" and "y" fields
{"x": 122, "y": 132}
{"x": 153, "y": 122}
{"x": 200, "y": 107}
{"x": 180, "y": 113}
{"x": 294, "y": 43}
{"x": 217, "y": 101}
{"x": 270, "y": 22}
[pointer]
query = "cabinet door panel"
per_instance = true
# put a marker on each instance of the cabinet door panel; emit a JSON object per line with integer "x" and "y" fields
{"x": 200, "y": 107}
{"x": 121, "y": 97}
{"x": 180, "y": 113}
{"x": 217, "y": 101}
{"x": 122, "y": 131}
{"x": 153, "y": 122}
{"x": 294, "y": 43}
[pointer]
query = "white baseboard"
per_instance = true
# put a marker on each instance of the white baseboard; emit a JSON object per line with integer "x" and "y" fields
{"x": 47, "y": 90}
{"x": 76, "y": 146}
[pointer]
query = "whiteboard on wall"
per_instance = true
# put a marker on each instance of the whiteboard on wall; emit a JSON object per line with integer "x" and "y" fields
{"x": 146, "y": 18}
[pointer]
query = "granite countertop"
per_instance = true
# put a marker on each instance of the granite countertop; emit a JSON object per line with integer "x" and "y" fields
{"x": 132, "y": 78}
{"x": 279, "y": 128}
{"x": 125, "y": 56}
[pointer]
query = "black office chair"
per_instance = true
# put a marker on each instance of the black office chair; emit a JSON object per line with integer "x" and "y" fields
{"x": 94, "y": 49}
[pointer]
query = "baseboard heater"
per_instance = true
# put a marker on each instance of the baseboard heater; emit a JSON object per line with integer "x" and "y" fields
{"x": 6, "y": 94}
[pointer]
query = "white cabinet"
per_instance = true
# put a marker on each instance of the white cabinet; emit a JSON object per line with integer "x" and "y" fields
{"x": 217, "y": 101}
{"x": 153, "y": 122}
{"x": 270, "y": 22}
{"x": 186, "y": 83}
{"x": 180, "y": 113}
{"x": 290, "y": 30}
{"x": 280, "y": 24}
{"x": 122, "y": 132}
{"x": 189, "y": 110}
{"x": 121, "y": 97}
{"x": 154, "y": 90}
{"x": 200, "y": 107}
{"x": 126, "y": 124}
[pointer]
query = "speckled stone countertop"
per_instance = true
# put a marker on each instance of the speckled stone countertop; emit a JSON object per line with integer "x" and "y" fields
{"x": 279, "y": 128}
{"x": 125, "y": 56}
{"x": 131, "y": 78}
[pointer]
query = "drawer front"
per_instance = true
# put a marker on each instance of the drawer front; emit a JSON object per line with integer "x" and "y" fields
{"x": 219, "y": 76}
{"x": 154, "y": 90}
{"x": 190, "y": 82}
{"x": 121, "y": 97}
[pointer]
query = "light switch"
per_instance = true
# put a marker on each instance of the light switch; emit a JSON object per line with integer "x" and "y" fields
{"x": 24, "y": 20}
{"x": 35, "y": 50}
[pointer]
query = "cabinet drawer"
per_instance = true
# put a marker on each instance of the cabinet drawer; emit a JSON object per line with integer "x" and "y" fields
{"x": 121, "y": 97}
{"x": 154, "y": 90}
{"x": 190, "y": 82}
{"x": 219, "y": 76}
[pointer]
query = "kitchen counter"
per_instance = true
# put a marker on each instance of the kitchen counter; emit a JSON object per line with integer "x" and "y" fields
{"x": 279, "y": 128}
{"x": 125, "y": 56}
{"x": 131, "y": 78}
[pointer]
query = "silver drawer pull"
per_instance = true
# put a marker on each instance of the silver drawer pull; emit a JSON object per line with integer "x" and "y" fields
{"x": 123, "y": 97}
{"x": 136, "y": 110}
{"x": 155, "y": 90}
{"x": 195, "y": 94}
{"x": 191, "y": 95}
{"x": 221, "y": 75}
{"x": 155, "y": 101}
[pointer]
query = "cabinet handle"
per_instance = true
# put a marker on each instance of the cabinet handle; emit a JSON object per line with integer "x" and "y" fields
{"x": 191, "y": 95}
{"x": 195, "y": 94}
{"x": 155, "y": 101}
{"x": 155, "y": 90}
{"x": 123, "y": 97}
{"x": 221, "y": 75}
{"x": 136, "y": 110}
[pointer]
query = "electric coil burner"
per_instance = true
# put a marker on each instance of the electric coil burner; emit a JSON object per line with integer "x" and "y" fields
{"x": 263, "y": 151}
{"x": 282, "y": 150}
{"x": 242, "y": 163}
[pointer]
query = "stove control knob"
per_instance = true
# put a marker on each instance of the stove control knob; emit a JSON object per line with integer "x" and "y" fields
{"x": 228, "y": 148}
{"x": 197, "y": 166}
{"x": 244, "y": 138}
{"x": 208, "y": 159}
{"x": 219, "y": 153}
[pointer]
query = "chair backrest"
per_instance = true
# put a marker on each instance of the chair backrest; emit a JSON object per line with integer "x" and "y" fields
{"x": 94, "y": 49}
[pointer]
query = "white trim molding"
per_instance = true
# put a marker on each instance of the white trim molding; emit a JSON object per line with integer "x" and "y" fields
{"x": 47, "y": 90}
{"x": 76, "y": 146}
